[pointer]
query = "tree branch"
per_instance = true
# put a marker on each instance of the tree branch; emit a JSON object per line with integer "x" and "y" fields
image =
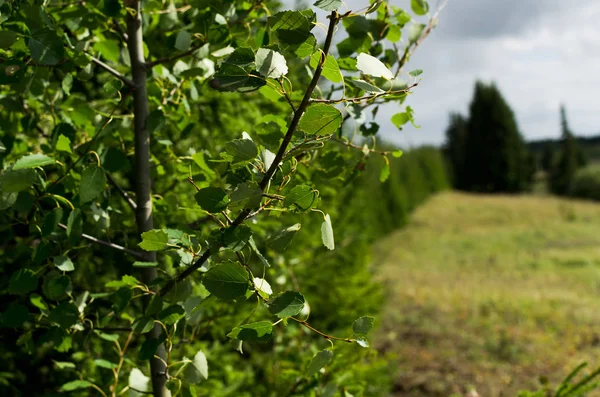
{"x": 160, "y": 61}
{"x": 333, "y": 20}
{"x": 137, "y": 254}
{"x": 111, "y": 71}
{"x": 365, "y": 97}
{"x": 125, "y": 195}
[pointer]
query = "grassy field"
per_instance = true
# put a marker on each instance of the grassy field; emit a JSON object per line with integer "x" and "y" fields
{"x": 491, "y": 293}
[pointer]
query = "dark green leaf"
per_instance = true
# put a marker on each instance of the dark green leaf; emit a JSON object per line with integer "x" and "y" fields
{"x": 328, "y": 5}
{"x": 93, "y": 181}
{"x": 12, "y": 71}
{"x": 183, "y": 41}
{"x": 51, "y": 220}
{"x": 363, "y": 325}
{"x": 301, "y": 197}
{"x": 74, "y": 226}
{"x": 226, "y": 281}
{"x": 65, "y": 315}
{"x": 63, "y": 263}
{"x": 288, "y": 304}
{"x": 147, "y": 351}
{"x": 155, "y": 305}
{"x": 416, "y": 72}
{"x": 57, "y": 287}
{"x": 22, "y": 282}
{"x": 121, "y": 298}
{"x": 241, "y": 151}
{"x": 320, "y": 360}
{"x": 33, "y": 161}
{"x": 154, "y": 240}
{"x": 320, "y": 119}
{"x": 281, "y": 240}
{"x": 246, "y": 195}
{"x": 253, "y": 332}
{"x": 212, "y": 199}
{"x": 46, "y": 47}
{"x": 171, "y": 314}
{"x": 16, "y": 181}
{"x": 231, "y": 77}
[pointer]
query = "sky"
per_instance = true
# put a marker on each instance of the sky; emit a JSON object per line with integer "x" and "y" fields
{"x": 540, "y": 54}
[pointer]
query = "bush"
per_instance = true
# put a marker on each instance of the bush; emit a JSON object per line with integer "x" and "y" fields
{"x": 586, "y": 183}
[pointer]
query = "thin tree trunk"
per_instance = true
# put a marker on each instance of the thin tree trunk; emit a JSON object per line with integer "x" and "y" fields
{"x": 143, "y": 176}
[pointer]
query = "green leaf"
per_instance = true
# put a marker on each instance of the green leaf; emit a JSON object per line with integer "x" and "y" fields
{"x": 416, "y": 72}
{"x": 261, "y": 257}
{"x": 105, "y": 364}
{"x": 327, "y": 233}
{"x": 197, "y": 370}
{"x": 328, "y": 5}
{"x": 270, "y": 63}
{"x": 384, "y": 174}
{"x": 74, "y": 226}
{"x": 57, "y": 287}
{"x": 120, "y": 299}
{"x": 32, "y": 161}
{"x": 320, "y": 360}
{"x": 331, "y": 70}
{"x": 212, "y": 199}
{"x": 253, "y": 332}
{"x": 67, "y": 83}
{"x": 16, "y": 181}
{"x": 93, "y": 181}
{"x": 288, "y": 304}
{"x": 51, "y": 220}
{"x": 109, "y": 50}
{"x": 154, "y": 240}
{"x": 236, "y": 238}
{"x": 231, "y": 77}
{"x": 14, "y": 316}
{"x": 143, "y": 324}
{"x": 362, "y": 341}
{"x": 292, "y": 29}
{"x": 394, "y": 33}
{"x": 399, "y": 119}
{"x": 301, "y": 197}
{"x": 65, "y": 315}
{"x": 363, "y": 325}
{"x": 155, "y": 305}
{"x": 183, "y": 41}
{"x": 63, "y": 263}
{"x": 419, "y": 7}
{"x": 65, "y": 365}
{"x": 63, "y": 144}
{"x": 241, "y": 151}
{"x": 76, "y": 385}
{"x": 363, "y": 85}
{"x": 397, "y": 153}
{"x": 171, "y": 314}
{"x": 320, "y": 119}
{"x": 46, "y": 47}
{"x": 22, "y": 282}
{"x": 226, "y": 281}
{"x": 372, "y": 66}
{"x": 281, "y": 240}
{"x": 246, "y": 195}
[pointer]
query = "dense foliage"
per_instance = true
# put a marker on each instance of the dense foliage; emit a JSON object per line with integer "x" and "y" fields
{"x": 206, "y": 129}
{"x": 488, "y": 154}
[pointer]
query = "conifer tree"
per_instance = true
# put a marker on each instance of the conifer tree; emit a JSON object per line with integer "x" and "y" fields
{"x": 496, "y": 158}
{"x": 570, "y": 158}
{"x": 547, "y": 158}
{"x": 455, "y": 148}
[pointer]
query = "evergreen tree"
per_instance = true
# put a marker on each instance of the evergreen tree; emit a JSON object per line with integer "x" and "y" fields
{"x": 496, "y": 158}
{"x": 455, "y": 148}
{"x": 569, "y": 159}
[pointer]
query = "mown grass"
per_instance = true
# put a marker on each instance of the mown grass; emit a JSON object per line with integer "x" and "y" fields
{"x": 490, "y": 293}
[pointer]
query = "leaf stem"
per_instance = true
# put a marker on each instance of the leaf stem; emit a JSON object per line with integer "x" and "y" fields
{"x": 324, "y": 335}
{"x": 137, "y": 254}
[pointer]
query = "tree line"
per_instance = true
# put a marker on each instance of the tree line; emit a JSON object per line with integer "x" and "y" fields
{"x": 487, "y": 153}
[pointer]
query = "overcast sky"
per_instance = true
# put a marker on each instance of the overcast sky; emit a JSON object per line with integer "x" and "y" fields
{"x": 540, "y": 53}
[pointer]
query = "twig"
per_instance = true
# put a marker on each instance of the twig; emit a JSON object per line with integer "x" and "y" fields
{"x": 411, "y": 48}
{"x": 167, "y": 11}
{"x": 365, "y": 97}
{"x": 324, "y": 335}
{"x": 174, "y": 57}
{"x": 112, "y": 71}
{"x": 361, "y": 148}
{"x": 333, "y": 20}
{"x": 125, "y": 195}
{"x": 137, "y": 254}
